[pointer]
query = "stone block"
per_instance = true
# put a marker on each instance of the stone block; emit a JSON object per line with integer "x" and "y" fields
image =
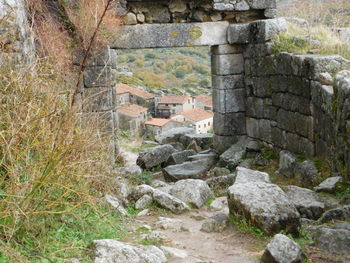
{"x": 262, "y": 4}
{"x": 98, "y": 77}
{"x": 238, "y": 34}
{"x": 170, "y": 35}
{"x": 222, "y": 143}
{"x": 227, "y": 49}
{"x": 292, "y": 102}
{"x": 258, "y": 50}
{"x": 106, "y": 122}
{"x": 259, "y": 129}
{"x": 228, "y": 101}
{"x": 261, "y": 108}
{"x": 259, "y": 87}
{"x": 228, "y": 64}
{"x": 262, "y": 31}
{"x": 98, "y": 99}
{"x": 229, "y": 124}
{"x": 227, "y": 82}
{"x": 322, "y": 96}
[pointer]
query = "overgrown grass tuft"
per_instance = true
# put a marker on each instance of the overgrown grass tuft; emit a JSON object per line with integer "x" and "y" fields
{"x": 243, "y": 225}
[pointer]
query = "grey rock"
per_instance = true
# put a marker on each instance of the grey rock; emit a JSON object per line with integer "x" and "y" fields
{"x": 159, "y": 183}
{"x": 193, "y": 170}
{"x": 143, "y": 202}
{"x": 266, "y": 205}
{"x": 113, "y": 251}
{"x": 245, "y": 175}
{"x": 179, "y": 157}
{"x": 204, "y": 140}
{"x": 335, "y": 241}
{"x": 306, "y": 201}
{"x": 174, "y": 135}
{"x": 307, "y": 172}
{"x": 156, "y": 237}
{"x": 169, "y": 223}
{"x": 220, "y": 184}
{"x": 130, "y": 169}
{"x": 218, "y": 205}
{"x": 287, "y": 163}
{"x": 192, "y": 192}
{"x": 219, "y": 171}
{"x": 122, "y": 190}
{"x": 329, "y": 185}
{"x": 138, "y": 191}
{"x": 215, "y": 223}
{"x": 144, "y": 212}
{"x": 170, "y": 202}
{"x": 234, "y": 155}
{"x": 130, "y": 19}
{"x": 113, "y": 201}
{"x": 153, "y": 157}
{"x": 339, "y": 213}
{"x": 282, "y": 249}
{"x": 172, "y": 252}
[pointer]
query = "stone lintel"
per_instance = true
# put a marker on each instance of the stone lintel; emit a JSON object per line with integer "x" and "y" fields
{"x": 170, "y": 35}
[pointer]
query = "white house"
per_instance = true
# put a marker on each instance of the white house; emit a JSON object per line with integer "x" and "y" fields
{"x": 174, "y": 104}
{"x": 201, "y": 120}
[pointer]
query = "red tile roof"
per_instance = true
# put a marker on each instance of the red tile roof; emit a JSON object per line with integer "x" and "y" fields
{"x": 132, "y": 110}
{"x": 206, "y": 100}
{"x": 157, "y": 122}
{"x": 123, "y": 88}
{"x": 197, "y": 114}
{"x": 174, "y": 99}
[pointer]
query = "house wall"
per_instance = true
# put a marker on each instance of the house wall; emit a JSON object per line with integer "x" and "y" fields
{"x": 204, "y": 126}
{"x": 123, "y": 98}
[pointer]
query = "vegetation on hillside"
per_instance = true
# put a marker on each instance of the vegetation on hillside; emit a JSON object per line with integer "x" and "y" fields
{"x": 176, "y": 70}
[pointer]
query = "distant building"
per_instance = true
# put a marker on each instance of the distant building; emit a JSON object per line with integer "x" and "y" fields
{"x": 199, "y": 119}
{"x": 204, "y": 102}
{"x": 131, "y": 117}
{"x": 127, "y": 94}
{"x": 173, "y": 104}
{"x": 157, "y": 126}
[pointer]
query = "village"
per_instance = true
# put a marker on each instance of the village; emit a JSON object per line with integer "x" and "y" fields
{"x": 146, "y": 114}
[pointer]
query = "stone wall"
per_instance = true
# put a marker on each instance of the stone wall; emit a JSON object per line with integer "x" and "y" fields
{"x": 181, "y": 11}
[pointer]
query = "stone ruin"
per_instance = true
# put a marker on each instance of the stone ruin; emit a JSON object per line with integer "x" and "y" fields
{"x": 299, "y": 103}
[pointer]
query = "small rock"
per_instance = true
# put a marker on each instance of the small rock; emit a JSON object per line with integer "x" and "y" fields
{"x": 198, "y": 217}
{"x": 169, "y": 223}
{"x": 170, "y": 202}
{"x": 138, "y": 191}
{"x": 329, "y": 185}
{"x": 130, "y": 19}
{"x": 339, "y": 213}
{"x": 216, "y": 223}
{"x": 174, "y": 135}
{"x": 287, "y": 163}
{"x": 177, "y": 6}
{"x": 282, "y": 250}
{"x": 172, "y": 252}
{"x": 219, "y": 185}
{"x": 326, "y": 78}
{"x": 219, "y": 171}
{"x": 141, "y": 18}
{"x": 245, "y": 175}
{"x": 113, "y": 201}
{"x": 144, "y": 212}
{"x": 218, "y": 205}
{"x": 156, "y": 237}
{"x": 143, "y": 202}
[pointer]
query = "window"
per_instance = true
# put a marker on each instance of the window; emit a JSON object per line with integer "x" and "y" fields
{"x": 209, "y": 123}
{"x": 189, "y": 101}
{"x": 192, "y": 106}
{"x": 174, "y": 105}
{"x": 205, "y": 125}
{"x": 173, "y": 111}
{"x": 167, "y": 105}
{"x": 199, "y": 126}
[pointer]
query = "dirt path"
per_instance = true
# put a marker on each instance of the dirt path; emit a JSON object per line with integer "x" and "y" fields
{"x": 229, "y": 246}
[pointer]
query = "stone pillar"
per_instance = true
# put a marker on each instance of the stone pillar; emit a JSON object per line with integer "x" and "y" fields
{"x": 98, "y": 95}
{"x": 228, "y": 95}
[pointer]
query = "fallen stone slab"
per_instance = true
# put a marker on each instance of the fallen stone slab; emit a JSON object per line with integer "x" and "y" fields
{"x": 193, "y": 192}
{"x": 117, "y": 204}
{"x": 282, "y": 249}
{"x": 113, "y": 251}
{"x": 245, "y": 175}
{"x": 143, "y": 202}
{"x": 265, "y": 205}
{"x": 174, "y": 135}
{"x": 329, "y": 185}
{"x": 154, "y": 157}
{"x": 335, "y": 241}
{"x": 187, "y": 170}
{"x": 170, "y": 202}
{"x": 204, "y": 140}
{"x": 234, "y": 155}
{"x": 339, "y": 213}
{"x": 215, "y": 223}
{"x": 306, "y": 201}
{"x": 172, "y": 252}
{"x": 179, "y": 157}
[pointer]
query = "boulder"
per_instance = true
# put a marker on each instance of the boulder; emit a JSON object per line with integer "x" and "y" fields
{"x": 219, "y": 171}
{"x": 306, "y": 201}
{"x": 329, "y": 185}
{"x": 215, "y": 223}
{"x": 218, "y": 205}
{"x": 186, "y": 170}
{"x": 113, "y": 251}
{"x": 122, "y": 189}
{"x": 287, "y": 163}
{"x": 174, "y": 135}
{"x": 265, "y": 205}
{"x": 138, "y": 191}
{"x": 282, "y": 249}
{"x": 234, "y": 155}
{"x": 143, "y": 202}
{"x": 204, "y": 141}
{"x": 245, "y": 175}
{"x": 192, "y": 192}
{"x": 307, "y": 172}
{"x": 154, "y": 157}
{"x": 335, "y": 241}
{"x": 172, "y": 252}
{"x": 113, "y": 201}
{"x": 220, "y": 184}
{"x": 339, "y": 213}
{"x": 170, "y": 202}
{"x": 179, "y": 157}
{"x": 130, "y": 169}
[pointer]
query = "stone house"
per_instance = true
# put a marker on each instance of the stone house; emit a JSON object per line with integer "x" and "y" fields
{"x": 127, "y": 94}
{"x": 132, "y": 117}
{"x": 199, "y": 119}
{"x": 173, "y": 104}
{"x": 204, "y": 102}
{"x": 157, "y": 126}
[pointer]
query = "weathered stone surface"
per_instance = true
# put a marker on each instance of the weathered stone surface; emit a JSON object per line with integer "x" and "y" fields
{"x": 180, "y": 157}
{"x": 335, "y": 241}
{"x": 233, "y": 156}
{"x": 218, "y": 205}
{"x": 329, "y": 185}
{"x": 228, "y": 82}
{"x": 222, "y": 142}
{"x": 266, "y": 205}
{"x": 204, "y": 140}
{"x": 306, "y": 201}
{"x": 245, "y": 175}
{"x": 282, "y": 249}
{"x": 238, "y": 34}
{"x": 118, "y": 205}
{"x": 172, "y": 252}
{"x": 230, "y": 100}
{"x": 264, "y": 30}
{"x": 220, "y": 184}
{"x": 229, "y": 124}
{"x": 143, "y": 202}
{"x": 287, "y": 163}
{"x": 169, "y": 223}
{"x": 339, "y": 213}
{"x": 130, "y": 19}
{"x": 170, "y": 35}
{"x": 215, "y": 223}
{"x": 113, "y": 251}
{"x": 228, "y": 64}
{"x": 307, "y": 172}
{"x": 174, "y": 135}
{"x": 155, "y": 156}
{"x": 193, "y": 170}
{"x": 193, "y": 192}
{"x": 170, "y": 202}
{"x": 138, "y": 191}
